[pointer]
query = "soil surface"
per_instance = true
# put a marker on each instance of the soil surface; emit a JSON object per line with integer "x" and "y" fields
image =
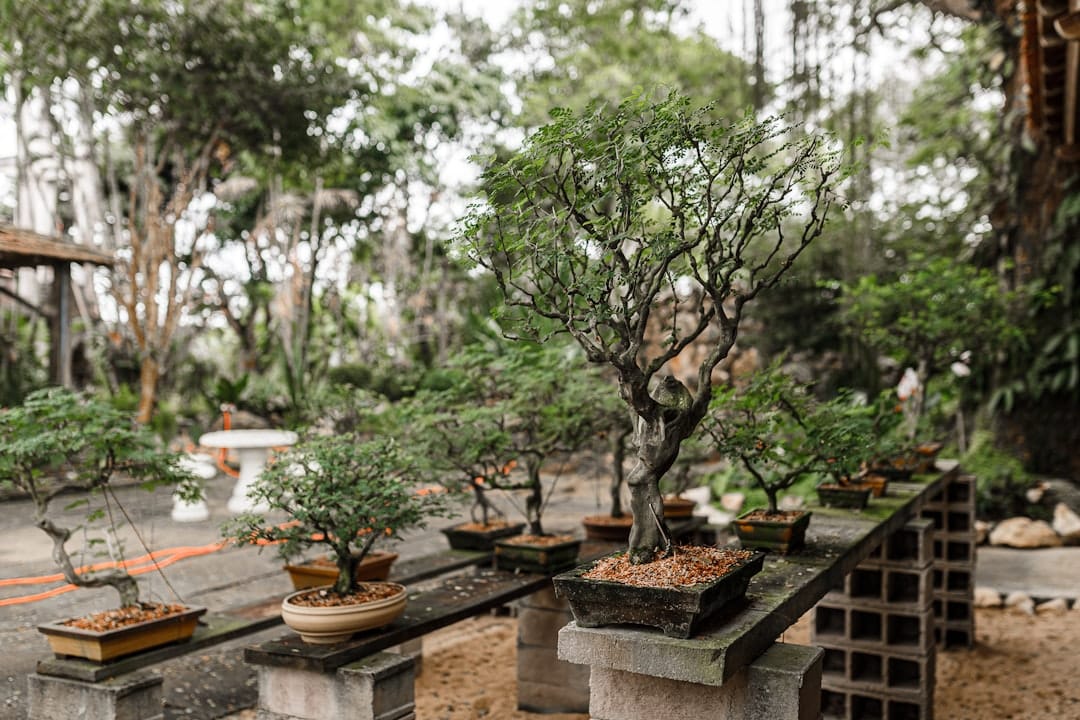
{"x": 124, "y": 616}
{"x": 685, "y": 566}
{"x": 368, "y": 592}
{"x": 538, "y": 540}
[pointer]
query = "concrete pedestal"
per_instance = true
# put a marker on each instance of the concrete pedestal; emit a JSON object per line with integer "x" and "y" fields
{"x": 784, "y": 682}
{"x": 547, "y": 684}
{"x": 379, "y": 687}
{"x": 134, "y": 696}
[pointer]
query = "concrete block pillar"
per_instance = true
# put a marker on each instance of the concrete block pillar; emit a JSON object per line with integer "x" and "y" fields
{"x": 547, "y": 684}
{"x": 785, "y": 682}
{"x": 133, "y": 696}
{"x": 379, "y": 687}
{"x": 877, "y": 632}
{"x": 952, "y": 511}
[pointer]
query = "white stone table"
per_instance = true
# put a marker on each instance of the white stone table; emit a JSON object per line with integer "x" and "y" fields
{"x": 253, "y": 449}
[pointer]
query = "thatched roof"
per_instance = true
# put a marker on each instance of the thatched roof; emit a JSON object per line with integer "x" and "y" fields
{"x": 23, "y": 248}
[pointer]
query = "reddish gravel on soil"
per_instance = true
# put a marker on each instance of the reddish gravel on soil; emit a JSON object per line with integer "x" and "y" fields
{"x": 780, "y": 516}
{"x": 688, "y": 565}
{"x": 538, "y": 540}
{"x": 122, "y": 617}
{"x": 481, "y": 527}
{"x": 365, "y": 593}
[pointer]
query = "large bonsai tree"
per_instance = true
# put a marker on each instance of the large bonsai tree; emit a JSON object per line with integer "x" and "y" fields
{"x": 602, "y": 214}
{"x": 59, "y": 442}
{"x": 343, "y": 492}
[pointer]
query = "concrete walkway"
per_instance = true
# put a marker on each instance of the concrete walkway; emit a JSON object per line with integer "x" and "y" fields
{"x": 1043, "y": 574}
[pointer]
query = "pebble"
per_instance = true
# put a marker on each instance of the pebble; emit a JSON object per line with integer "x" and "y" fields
{"x": 1057, "y": 606}
{"x": 1023, "y": 532}
{"x": 987, "y": 598}
{"x": 1020, "y": 601}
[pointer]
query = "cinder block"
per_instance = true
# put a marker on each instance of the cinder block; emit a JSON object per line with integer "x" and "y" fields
{"x": 384, "y": 682}
{"x": 379, "y": 687}
{"x": 541, "y": 665}
{"x": 132, "y": 696}
{"x": 785, "y": 682}
{"x": 540, "y": 697}
{"x": 544, "y": 599}
{"x": 908, "y": 547}
{"x": 540, "y": 628}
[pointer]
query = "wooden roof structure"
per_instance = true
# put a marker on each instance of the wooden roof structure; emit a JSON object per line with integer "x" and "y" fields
{"x": 24, "y": 248}
{"x": 1052, "y": 55}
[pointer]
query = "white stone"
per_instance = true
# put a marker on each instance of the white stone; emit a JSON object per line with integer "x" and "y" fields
{"x": 982, "y": 531}
{"x": 1035, "y": 494}
{"x": 987, "y": 598}
{"x": 700, "y": 495}
{"x": 1057, "y": 606}
{"x": 732, "y": 501}
{"x": 714, "y": 516}
{"x": 1022, "y": 532}
{"x": 1021, "y": 602}
{"x": 1066, "y": 524}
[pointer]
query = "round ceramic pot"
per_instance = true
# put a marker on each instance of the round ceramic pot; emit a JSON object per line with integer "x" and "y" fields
{"x": 329, "y": 625}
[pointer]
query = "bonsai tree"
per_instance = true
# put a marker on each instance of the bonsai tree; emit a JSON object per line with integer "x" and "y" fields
{"x": 524, "y": 405}
{"x": 59, "y": 442}
{"x": 603, "y": 216}
{"x": 464, "y": 442}
{"x": 931, "y": 317}
{"x": 343, "y": 492}
{"x": 777, "y": 432}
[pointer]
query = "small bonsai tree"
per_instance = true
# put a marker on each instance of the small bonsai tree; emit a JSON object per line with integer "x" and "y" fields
{"x": 779, "y": 434}
{"x": 601, "y": 215}
{"x": 343, "y": 492}
{"x": 931, "y": 316}
{"x": 59, "y": 442}
{"x": 522, "y": 404}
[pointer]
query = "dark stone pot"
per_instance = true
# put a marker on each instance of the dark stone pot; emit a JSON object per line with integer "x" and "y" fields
{"x": 677, "y": 612}
{"x": 779, "y": 535}
{"x": 844, "y": 496}
{"x": 604, "y": 527}
{"x": 475, "y": 540}
{"x": 544, "y": 559}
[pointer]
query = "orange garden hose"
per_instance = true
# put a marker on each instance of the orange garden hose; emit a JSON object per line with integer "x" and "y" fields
{"x": 136, "y": 566}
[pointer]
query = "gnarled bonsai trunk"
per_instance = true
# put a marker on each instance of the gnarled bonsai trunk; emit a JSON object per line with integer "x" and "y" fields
{"x": 618, "y": 456}
{"x": 658, "y": 448}
{"x": 119, "y": 580}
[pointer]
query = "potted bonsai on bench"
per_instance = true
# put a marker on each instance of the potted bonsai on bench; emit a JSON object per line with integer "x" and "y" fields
{"x": 779, "y": 434}
{"x": 59, "y": 442}
{"x": 343, "y": 492}
{"x": 601, "y": 218}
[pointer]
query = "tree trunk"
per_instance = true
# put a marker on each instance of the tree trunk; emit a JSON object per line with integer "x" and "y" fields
{"x": 658, "y": 448}
{"x": 535, "y": 501}
{"x": 119, "y": 580}
{"x": 618, "y": 457}
{"x": 149, "y": 372}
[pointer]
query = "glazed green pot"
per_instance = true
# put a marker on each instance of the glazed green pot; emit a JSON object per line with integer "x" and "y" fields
{"x": 545, "y": 559}
{"x": 780, "y": 535}
{"x": 844, "y": 496}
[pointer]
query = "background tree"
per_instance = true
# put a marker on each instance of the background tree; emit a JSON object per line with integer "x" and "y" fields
{"x": 601, "y": 211}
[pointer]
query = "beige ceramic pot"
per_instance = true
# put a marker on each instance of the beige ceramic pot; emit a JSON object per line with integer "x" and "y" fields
{"x": 329, "y": 625}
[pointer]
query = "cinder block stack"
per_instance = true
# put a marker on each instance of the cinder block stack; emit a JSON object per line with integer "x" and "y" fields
{"x": 877, "y": 631}
{"x": 545, "y": 683}
{"x": 952, "y": 511}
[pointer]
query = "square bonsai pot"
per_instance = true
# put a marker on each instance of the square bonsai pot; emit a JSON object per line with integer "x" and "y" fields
{"x": 545, "y": 559}
{"x": 100, "y": 647}
{"x": 677, "y": 612}
{"x": 780, "y": 535}
{"x": 461, "y": 538}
